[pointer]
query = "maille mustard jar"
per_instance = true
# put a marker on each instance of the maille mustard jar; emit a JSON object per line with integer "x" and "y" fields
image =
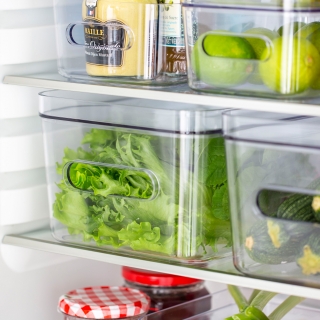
{"x": 120, "y": 37}
{"x": 168, "y": 290}
{"x": 104, "y": 303}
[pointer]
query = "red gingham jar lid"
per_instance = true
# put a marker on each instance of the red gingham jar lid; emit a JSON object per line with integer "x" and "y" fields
{"x": 104, "y": 303}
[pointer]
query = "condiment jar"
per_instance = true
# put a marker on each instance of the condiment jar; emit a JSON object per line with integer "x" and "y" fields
{"x": 120, "y": 37}
{"x": 172, "y": 44}
{"x": 167, "y": 290}
{"x": 104, "y": 303}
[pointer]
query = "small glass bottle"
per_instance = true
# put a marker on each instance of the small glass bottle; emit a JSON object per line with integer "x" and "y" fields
{"x": 167, "y": 290}
{"x": 104, "y": 303}
{"x": 172, "y": 44}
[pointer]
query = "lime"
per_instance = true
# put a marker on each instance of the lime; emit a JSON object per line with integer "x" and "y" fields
{"x": 311, "y": 32}
{"x": 259, "y": 44}
{"x": 292, "y": 66}
{"x": 308, "y": 29}
{"x": 290, "y": 28}
{"x": 222, "y": 60}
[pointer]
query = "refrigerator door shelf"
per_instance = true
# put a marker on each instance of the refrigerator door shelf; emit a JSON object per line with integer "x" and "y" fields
{"x": 23, "y": 197}
{"x": 21, "y": 144}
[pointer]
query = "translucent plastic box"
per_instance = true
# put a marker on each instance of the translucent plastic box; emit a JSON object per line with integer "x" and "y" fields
{"x": 141, "y": 177}
{"x": 273, "y": 163}
{"x": 121, "y": 42}
{"x": 255, "y": 48}
{"x": 223, "y": 306}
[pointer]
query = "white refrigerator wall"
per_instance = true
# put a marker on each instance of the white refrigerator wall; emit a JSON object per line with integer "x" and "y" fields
{"x": 33, "y": 295}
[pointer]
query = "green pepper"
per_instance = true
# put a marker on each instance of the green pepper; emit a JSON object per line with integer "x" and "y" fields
{"x": 254, "y": 313}
{"x": 239, "y": 316}
{"x": 251, "y": 313}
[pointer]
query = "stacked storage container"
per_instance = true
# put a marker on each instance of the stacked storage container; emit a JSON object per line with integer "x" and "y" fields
{"x": 273, "y": 168}
{"x": 140, "y": 177}
{"x": 253, "y": 48}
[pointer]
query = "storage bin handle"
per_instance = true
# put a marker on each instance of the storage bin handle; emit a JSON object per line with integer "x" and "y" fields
{"x": 306, "y": 199}
{"x": 99, "y": 179}
{"x": 109, "y": 36}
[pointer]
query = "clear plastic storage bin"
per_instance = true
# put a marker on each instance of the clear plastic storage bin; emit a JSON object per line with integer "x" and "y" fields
{"x": 167, "y": 290}
{"x": 223, "y": 307}
{"x": 141, "y": 177}
{"x": 273, "y": 163}
{"x": 122, "y": 42}
{"x": 255, "y": 48}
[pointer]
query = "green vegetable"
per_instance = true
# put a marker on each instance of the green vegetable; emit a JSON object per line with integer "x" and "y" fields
{"x": 253, "y": 309}
{"x": 280, "y": 241}
{"x": 270, "y": 200}
{"x": 316, "y": 207}
{"x": 297, "y": 207}
{"x": 308, "y": 258}
{"x": 285, "y": 307}
{"x": 122, "y": 207}
{"x": 238, "y": 297}
{"x": 269, "y": 242}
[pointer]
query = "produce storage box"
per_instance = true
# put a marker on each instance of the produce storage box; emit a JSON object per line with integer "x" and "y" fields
{"x": 223, "y": 307}
{"x": 256, "y": 48}
{"x": 145, "y": 178}
{"x": 188, "y": 309}
{"x": 273, "y": 163}
{"x": 121, "y": 42}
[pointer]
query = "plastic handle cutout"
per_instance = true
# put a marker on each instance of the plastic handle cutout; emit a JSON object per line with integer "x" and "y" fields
{"x": 217, "y": 44}
{"x": 110, "y": 180}
{"x": 109, "y": 36}
{"x": 289, "y": 204}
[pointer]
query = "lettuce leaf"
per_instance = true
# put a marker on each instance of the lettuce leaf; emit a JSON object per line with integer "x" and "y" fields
{"x": 112, "y": 206}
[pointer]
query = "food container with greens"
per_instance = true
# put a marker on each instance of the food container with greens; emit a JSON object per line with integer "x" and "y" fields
{"x": 255, "y": 47}
{"x": 138, "y": 177}
{"x": 273, "y": 163}
{"x": 245, "y": 304}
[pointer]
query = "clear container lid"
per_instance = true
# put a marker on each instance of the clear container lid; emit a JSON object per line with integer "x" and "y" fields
{"x": 276, "y": 128}
{"x": 104, "y": 303}
{"x": 156, "y": 279}
{"x": 273, "y": 5}
{"x": 131, "y": 113}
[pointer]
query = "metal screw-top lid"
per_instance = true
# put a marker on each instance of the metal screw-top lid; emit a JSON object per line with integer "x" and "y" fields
{"x": 104, "y": 303}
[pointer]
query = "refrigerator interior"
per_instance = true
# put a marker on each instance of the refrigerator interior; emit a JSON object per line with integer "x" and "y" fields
{"x": 31, "y": 281}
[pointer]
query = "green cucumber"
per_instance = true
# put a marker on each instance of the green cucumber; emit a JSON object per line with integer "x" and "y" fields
{"x": 308, "y": 258}
{"x": 316, "y": 207}
{"x": 269, "y": 242}
{"x": 297, "y": 207}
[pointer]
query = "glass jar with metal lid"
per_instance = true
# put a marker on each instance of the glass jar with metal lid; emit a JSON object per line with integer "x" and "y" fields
{"x": 167, "y": 290}
{"x": 104, "y": 303}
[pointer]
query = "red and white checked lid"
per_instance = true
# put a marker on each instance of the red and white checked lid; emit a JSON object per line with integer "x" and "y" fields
{"x": 104, "y": 303}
